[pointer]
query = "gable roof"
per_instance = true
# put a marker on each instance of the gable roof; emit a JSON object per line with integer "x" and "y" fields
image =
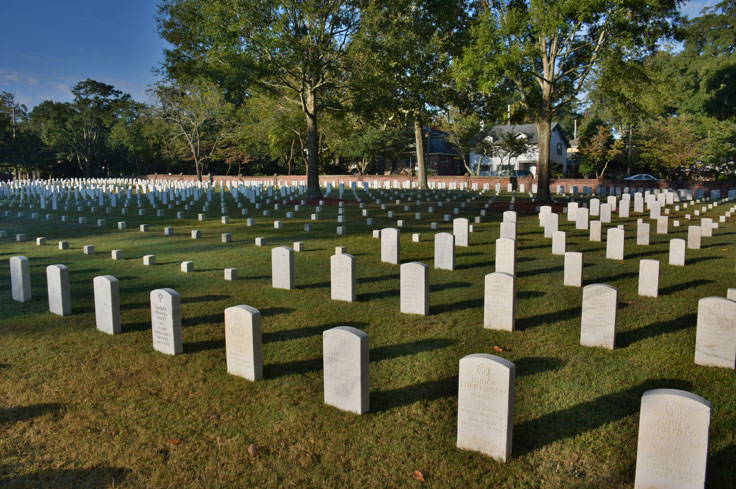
{"x": 529, "y": 129}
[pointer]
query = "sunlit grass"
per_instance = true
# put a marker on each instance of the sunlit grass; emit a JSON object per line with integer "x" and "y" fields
{"x": 79, "y": 408}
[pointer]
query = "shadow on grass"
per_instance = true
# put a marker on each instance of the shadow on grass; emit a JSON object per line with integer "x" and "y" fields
{"x": 197, "y": 346}
{"x": 382, "y": 294}
{"x": 204, "y": 298}
{"x": 627, "y": 338}
{"x": 209, "y": 318}
{"x": 394, "y": 276}
{"x": 456, "y": 306}
{"x": 317, "y": 285}
{"x": 539, "y": 271}
{"x": 404, "y": 396}
{"x": 611, "y": 278}
{"x": 296, "y": 367}
{"x": 23, "y": 413}
{"x": 719, "y": 472}
{"x": 690, "y": 261}
{"x": 643, "y": 254}
{"x": 469, "y": 266}
{"x": 272, "y": 311}
{"x": 448, "y": 285}
{"x": 567, "y": 423}
{"x": 683, "y": 286}
{"x": 404, "y": 349}
{"x": 534, "y": 365}
{"x": 77, "y": 478}
{"x": 547, "y": 317}
{"x": 294, "y": 334}
{"x": 528, "y": 294}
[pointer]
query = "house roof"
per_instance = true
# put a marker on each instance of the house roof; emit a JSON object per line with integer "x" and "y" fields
{"x": 529, "y": 129}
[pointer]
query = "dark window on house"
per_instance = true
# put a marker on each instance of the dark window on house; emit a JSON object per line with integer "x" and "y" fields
{"x": 559, "y": 149}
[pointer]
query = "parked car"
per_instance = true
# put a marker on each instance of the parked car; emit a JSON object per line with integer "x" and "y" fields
{"x": 643, "y": 177}
{"x": 516, "y": 173}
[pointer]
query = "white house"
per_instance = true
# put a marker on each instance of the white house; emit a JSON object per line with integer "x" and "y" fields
{"x": 497, "y": 164}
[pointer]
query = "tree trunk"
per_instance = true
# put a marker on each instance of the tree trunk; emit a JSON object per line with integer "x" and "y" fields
{"x": 419, "y": 142}
{"x": 629, "y": 148}
{"x": 313, "y": 190}
{"x": 198, "y": 169}
{"x": 544, "y": 133}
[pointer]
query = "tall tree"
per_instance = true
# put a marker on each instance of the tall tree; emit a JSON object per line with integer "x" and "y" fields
{"x": 547, "y": 49}
{"x": 295, "y": 48}
{"x": 79, "y": 131}
{"x": 198, "y": 116}
{"x": 467, "y": 134}
{"x": 406, "y": 48}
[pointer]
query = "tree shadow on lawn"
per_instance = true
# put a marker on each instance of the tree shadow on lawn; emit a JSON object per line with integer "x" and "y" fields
{"x": 24, "y": 413}
{"x": 548, "y": 317}
{"x": 627, "y": 338}
{"x": 297, "y": 333}
{"x": 78, "y": 478}
{"x": 683, "y": 286}
{"x": 566, "y": 423}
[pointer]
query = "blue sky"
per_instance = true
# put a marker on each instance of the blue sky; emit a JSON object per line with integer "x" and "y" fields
{"x": 50, "y": 45}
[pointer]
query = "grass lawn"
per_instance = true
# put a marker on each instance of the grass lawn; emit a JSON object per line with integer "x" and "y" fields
{"x": 82, "y": 409}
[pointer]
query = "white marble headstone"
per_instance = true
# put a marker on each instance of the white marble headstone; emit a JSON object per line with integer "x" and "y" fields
{"x": 243, "y": 345}
{"x": 414, "y": 288}
{"x": 166, "y": 321}
{"x": 485, "y": 405}
{"x": 107, "y": 303}
{"x": 444, "y": 251}
{"x": 499, "y": 301}
{"x": 715, "y": 339}
{"x": 598, "y": 319}
{"x": 60, "y": 298}
{"x": 20, "y": 278}
{"x": 282, "y": 267}
{"x": 342, "y": 277}
{"x": 672, "y": 447}
{"x": 345, "y": 359}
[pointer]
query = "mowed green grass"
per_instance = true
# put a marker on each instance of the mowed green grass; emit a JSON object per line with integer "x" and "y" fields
{"x": 82, "y": 409}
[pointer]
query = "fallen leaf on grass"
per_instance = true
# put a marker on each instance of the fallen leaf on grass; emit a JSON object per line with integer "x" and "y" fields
{"x": 252, "y": 449}
{"x": 418, "y": 476}
{"x": 724, "y": 249}
{"x": 173, "y": 441}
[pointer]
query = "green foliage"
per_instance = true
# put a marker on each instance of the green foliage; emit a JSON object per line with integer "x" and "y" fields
{"x": 293, "y": 48}
{"x": 547, "y": 49}
{"x": 401, "y": 62}
{"x": 467, "y": 133}
{"x": 198, "y": 119}
{"x": 598, "y": 150}
{"x": 670, "y": 147}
